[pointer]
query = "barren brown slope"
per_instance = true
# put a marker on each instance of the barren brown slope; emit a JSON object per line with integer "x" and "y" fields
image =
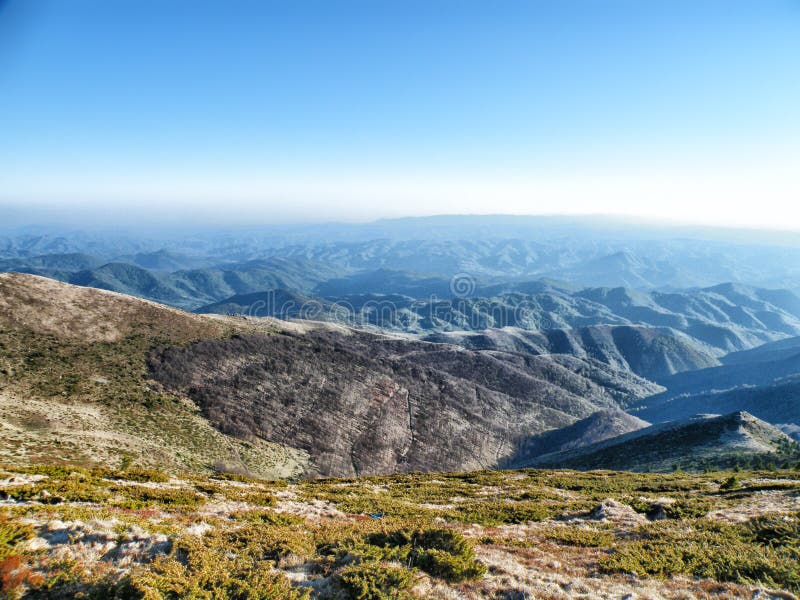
{"x": 359, "y": 403}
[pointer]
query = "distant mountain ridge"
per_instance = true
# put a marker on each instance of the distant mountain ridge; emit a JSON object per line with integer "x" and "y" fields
{"x": 598, "y": 252}
{"x": 725, "y": 317}
{"x": 654, "y": 334}
{"x": 558, "y": 324}
{"x": 719, "y": 320}
{"x": 653, "y": 353}
{"x": 191, "y": 288}
{"x": 109, "y": 375}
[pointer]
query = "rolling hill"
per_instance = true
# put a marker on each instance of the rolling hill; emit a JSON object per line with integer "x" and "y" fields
{"x": 74, "y": 388}
{"x": 587, "y": 251}
{"x": 653, "y": 353}
{"x": 597, "y": 427}
{"x": 705, "y": 441}
{"x": 192, "y": 288}
{"x": 721, "y": 320}
{"x": 363, "y": 404}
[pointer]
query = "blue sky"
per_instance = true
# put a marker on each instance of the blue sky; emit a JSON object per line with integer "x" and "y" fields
{"x": 258, "y": 110}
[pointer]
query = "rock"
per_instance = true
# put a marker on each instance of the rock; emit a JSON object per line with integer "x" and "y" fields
{"x": 610, "y": 510}
{"x": 760, "y": 594}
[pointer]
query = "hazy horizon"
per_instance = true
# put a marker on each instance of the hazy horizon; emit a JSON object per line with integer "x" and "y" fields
{"x": 353, "y": 111}
{"x": 451, "y": 226}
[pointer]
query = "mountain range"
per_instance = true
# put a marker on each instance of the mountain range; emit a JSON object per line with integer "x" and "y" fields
{"x": 596, "y": 252}
{"x": 106, "y": 376}
{"x": 426, "y": 344}
{"x": 764, "y": 381}
{"x": 687, "y": 330}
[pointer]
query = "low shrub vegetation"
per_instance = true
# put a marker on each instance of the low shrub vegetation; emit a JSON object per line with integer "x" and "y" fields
{"x": 755, "y": 552}
{"x": 387, "y": 537}
{"x": 376, "y": 581}
{"x": 12, "y": 533}
{"x": 195, "y": 571}
{"x": 442, "y": 553}
{"x": 580, "y": 536}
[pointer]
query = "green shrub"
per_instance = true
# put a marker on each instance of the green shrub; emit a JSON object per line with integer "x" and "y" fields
{"x": 641, "y": 505}
{"x": 360, "y": 501}
{"x": 376, "y": 581}
{"x": 774, "y": 530}
{"x": 217, "y": 567}
{"x": 267, "y": 517}
{"x": 682, "y": 508}
{"x": 136, "y": 474}
{"x": 580, "y": 536}
{"x": 74, "y": 487}
{"x": 257, "y": 498}
{"x": 11, "y": 534}
{"x": 707, "y": 550}
{"x": 687, "y": 508}
{"x": 264, "y": 542}
{"x": 731, "y": 483}
{"x": 60, "y": 471}
{"x": 136, "y": 497}
{"x": 442, "y": 553}
{"x": 206, "y": 576}
{"x": 498, "y": 512}
{"x": 449, "y": 566}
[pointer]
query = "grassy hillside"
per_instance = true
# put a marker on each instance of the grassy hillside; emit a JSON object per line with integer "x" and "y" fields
{"x": 74, "y": 384}
{"x": 134, "y": 534}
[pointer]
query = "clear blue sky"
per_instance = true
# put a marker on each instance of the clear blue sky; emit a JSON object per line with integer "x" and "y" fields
{"x": 281, "y": 110}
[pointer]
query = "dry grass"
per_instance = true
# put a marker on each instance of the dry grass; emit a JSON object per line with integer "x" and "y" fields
{"x": 141, "y": 532}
